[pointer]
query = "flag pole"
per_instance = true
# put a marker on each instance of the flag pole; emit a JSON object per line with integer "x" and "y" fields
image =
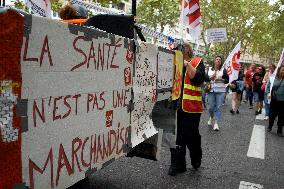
{"x": 182, "y": 19}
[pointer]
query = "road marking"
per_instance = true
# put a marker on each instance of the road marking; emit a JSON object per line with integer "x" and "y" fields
{"x": 248, "y": 185}
{"x": 261, "y": 116}
{"x": 257, "y": 142}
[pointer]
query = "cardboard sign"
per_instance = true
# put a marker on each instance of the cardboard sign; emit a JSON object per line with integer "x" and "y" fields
{"x": 215, "y": 35}
{"x": 39, "y": 7}
{"x": 11, "y": 38}
{"x": 145, "y": 94}
{"x": 165, "y": 69}
{"x": 76, "y": 84}
{"x": 66, "y": 103}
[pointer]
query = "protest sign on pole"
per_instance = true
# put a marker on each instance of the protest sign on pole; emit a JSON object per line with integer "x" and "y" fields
{"x": 232, "y": 63}
{"x": 40, "y": 7}
{"x": 216, "y": 35}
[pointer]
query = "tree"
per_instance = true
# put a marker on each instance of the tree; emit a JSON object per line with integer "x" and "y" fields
{"x": 107, "y": 2}
{"x": 19, "y": 4}
{"x": 56, "y": 5}
{"x": 248, "y": 21}
{"x": 271, "y": 42}
{"x": 158, "y": 13}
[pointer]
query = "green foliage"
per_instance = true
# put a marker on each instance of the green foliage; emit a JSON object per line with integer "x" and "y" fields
{"x": 158, "y": 13}
{"x": 19, "y": 4}
{"x": 105, "y": 3}
{"x": 253, "y": 22}
{"x": 56, "y": 5}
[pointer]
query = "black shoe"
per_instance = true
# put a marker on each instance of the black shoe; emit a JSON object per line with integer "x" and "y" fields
{"x": 178, "y": 163}
{"x": 237, "y": 112}
{"x": 269, "y": 129}
{"x": 196, "y": 165}
{"x": 232, "y": 112}
{"x": 259, "y": 112}
{"x": 256, "y": 113}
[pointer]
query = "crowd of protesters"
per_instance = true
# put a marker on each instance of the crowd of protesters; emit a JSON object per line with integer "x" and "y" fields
{"x": 254, "y": 84}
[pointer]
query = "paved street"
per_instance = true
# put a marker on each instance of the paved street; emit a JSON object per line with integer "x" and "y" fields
{"x": 225, "y": 162}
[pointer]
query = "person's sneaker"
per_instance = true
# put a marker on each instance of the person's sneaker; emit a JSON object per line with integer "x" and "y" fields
{"x": 256, "y": 113}
{"x": 266, "y": 118}
{"x": 232, "y": 112}
{"x": 237, "y": 112}
{"x": 210, "y": 121}
{"x": 259, "y": 111}
{"x": 216, "y": 127}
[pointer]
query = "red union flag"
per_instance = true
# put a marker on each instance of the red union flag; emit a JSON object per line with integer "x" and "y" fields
{"x": 191, "y": 17}
{"x": 232, "y": 63}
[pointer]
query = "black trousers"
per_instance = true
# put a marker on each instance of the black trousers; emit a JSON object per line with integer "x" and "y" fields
{"x": 188, "y": 134}
{"x": 276, "y": 110}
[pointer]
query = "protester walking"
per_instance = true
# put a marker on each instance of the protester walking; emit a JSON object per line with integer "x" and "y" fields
{"x": 258, "y": 94}
{"x": 277, "y": 102}
{"x": 218, "y": 77}
{"x": 264, "y": 86}
{"x": 188, "y": 115}
{"x": 237, "y": 87}
{"x": 248, "y": 84}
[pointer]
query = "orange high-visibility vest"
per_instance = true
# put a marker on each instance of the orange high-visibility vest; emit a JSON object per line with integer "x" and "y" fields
{"x": 192, "y": 93}
{"x": 76, "y": 21}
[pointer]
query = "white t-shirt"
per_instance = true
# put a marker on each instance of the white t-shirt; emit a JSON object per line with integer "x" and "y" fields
{"x": 218, "y": 85}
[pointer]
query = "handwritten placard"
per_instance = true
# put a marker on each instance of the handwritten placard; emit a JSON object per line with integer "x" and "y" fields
{"x": 145, "y": 94}
{"x": 77, "y": 82}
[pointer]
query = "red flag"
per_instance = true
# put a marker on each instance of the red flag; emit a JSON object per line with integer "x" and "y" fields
{"x": 191, "y": 17}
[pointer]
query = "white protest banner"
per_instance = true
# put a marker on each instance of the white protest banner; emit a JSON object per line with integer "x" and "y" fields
{"x": 272, "y": 77}
{"x": 77, "y": 86}
{"x": 145, "y": 94}
{"x": 165, "y": 73}
{"x": 39, "y": 7}
{"x": 232, "y": 63}
{"x": 215, "y": 35}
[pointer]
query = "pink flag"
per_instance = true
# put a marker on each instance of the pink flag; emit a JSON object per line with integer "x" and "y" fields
{"x": 191, "y": 17}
